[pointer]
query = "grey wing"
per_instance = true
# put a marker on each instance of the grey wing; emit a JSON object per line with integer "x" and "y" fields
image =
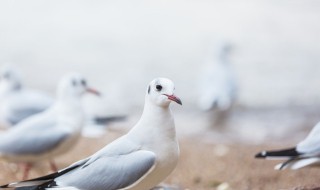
{"x": 110, "y": 172}
{"x": 31, "y": 142}
{"x": 26, "y": 104}
{"x": 18, "y": 115}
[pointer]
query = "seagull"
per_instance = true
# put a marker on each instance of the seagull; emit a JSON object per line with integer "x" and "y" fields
{"x": 16, "y": 101}
{"x": 139, "y": 160}
{"x": 305, "y": 153}
{"x": 50, "y": 133}
{"x": 217, "y": 84}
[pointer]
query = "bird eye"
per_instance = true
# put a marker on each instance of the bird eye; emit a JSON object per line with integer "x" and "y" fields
{"x": 83, "y": 82}
{"x": 159, "y": 87}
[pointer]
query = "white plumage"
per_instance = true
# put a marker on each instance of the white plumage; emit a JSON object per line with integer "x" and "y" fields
{"x": 217, "y": 84}
{"x": 50, "y": 133}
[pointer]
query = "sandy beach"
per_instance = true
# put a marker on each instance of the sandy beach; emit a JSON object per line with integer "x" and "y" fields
{"x": 210, "y": 158}
{"x": 201, "y": 167}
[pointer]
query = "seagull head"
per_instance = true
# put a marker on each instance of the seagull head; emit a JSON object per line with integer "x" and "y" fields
{"x": 161, "y": 92}
{"x": 10, "y": 79}
{"x": 74, "y": 85}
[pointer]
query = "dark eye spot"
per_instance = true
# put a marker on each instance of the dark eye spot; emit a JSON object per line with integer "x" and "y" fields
{"x": 84, "y": 82}
{"x": 149, "y": 90}
{"x": 159, "y": 87}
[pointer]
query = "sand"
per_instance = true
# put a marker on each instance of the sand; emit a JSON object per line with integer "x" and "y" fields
{"x": 202, "y": 166}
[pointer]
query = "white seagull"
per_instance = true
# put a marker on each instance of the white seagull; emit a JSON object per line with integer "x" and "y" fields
{"x": 139, "y": 160}
{"x": 51, "y": 133}
{"x": 16, "y": 101}
{"x": 306, "y": 153}
{"x": 217, "y": 85}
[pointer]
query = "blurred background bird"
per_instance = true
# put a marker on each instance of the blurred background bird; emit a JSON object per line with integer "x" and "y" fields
{"x": 51, "y": 133}
{"x": 18, "y": 102}
{"x": 217, "y": 85}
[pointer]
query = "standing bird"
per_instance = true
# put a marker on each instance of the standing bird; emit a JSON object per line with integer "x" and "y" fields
{"x": 139, "y": 160}
{"x": 306, "y": 153}
{"x": 16, "y": 101}
{"x": 217, "y": 83}
{"x": 51, "y": 133}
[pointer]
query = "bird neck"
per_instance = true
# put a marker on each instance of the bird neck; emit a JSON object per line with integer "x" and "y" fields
{"x": 155, "y": 121}
{"x": 69, "y": 104}
{"x": 69, "y": 113}
{"x": 155, "y": 112}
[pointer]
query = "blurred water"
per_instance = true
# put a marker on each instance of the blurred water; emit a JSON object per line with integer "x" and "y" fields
{"x": 122, "y": 45}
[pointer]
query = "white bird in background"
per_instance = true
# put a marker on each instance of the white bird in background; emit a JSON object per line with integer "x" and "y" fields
{"x": 217, "y": 84}
{"x": 139, "y": 160}
{"x": 51, "y": 133}
{"x": 306, "y": 153}
{"x": 16, "y": 101}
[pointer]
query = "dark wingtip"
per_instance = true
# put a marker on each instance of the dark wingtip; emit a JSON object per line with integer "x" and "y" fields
{"x": 4, "y": 186}
{"x": 291, "y": 152}
{"x": 109, "y": 119}
{"x": 262, "y": 154}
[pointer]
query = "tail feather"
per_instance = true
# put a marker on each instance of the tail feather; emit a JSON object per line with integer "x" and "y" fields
{"x": 22, "y": 188}
{"x": 42, "y": 186}
{"x": 40, "y": 182}
{"x": 287, "y": 153}
{"x": 106, "y": 120}
{"x": 295, "y": 164}
{"x": 26, "y": 185}
{"x": 284, "y": 165}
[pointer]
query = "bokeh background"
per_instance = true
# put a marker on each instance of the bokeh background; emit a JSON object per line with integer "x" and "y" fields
{"x": 122, "y": 45}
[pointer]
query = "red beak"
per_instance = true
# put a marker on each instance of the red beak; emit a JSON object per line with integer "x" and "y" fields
{"x": 93, "y": 91}
{"x": 174, "y": 98}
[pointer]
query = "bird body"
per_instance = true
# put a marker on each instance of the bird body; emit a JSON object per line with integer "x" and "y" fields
{"x": 217, "y": 83}
{"x": 51, "y": 133}
{"x": 306, "y": 153}
{"x": 23, "y": 143}
{"x": 160, "y": 128}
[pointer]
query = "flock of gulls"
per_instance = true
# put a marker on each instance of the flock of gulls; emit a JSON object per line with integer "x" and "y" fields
{"x": 40, "y": 128}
